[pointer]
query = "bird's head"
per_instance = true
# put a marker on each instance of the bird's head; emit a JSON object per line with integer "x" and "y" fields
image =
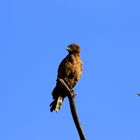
{"x": 73, "y": 48}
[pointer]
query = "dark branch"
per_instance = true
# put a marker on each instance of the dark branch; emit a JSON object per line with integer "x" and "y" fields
{"x": 70, "y": 94}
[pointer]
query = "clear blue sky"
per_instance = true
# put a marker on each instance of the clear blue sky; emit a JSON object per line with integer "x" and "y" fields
{"x": 33, "y": 38}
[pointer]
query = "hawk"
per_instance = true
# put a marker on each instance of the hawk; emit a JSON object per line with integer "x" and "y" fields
{"x": 70, "y": 70}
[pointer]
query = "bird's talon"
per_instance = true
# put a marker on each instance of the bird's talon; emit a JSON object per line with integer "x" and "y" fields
{"x": 73, "y": 94}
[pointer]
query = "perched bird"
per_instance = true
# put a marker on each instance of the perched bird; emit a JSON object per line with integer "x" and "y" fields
{"x": 70, "y": 70}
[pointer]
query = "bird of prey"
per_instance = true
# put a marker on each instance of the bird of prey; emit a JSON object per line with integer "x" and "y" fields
{"x": 70, "y": 70}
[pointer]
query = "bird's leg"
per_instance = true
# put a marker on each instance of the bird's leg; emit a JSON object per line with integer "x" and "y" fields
{"x": 73, "y": 93}
{"x": 70, "y": 91}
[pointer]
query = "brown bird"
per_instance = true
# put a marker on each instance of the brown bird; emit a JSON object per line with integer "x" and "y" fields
{"x": 70, "y": 70}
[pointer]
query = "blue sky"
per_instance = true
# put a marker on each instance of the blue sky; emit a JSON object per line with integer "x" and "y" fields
{"x": 33, "y": 38}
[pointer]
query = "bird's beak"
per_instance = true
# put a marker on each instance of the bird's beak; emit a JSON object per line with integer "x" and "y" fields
{"x": 68, "y": 49}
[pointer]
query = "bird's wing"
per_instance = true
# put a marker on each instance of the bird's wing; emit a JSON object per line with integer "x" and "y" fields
{"x": 64, "y": 69}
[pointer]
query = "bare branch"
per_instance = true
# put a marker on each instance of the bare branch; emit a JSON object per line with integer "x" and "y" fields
{"x": 70, "y": 94}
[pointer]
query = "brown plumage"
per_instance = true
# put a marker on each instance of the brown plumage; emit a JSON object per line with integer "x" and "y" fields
{"x": 70, "y": 70}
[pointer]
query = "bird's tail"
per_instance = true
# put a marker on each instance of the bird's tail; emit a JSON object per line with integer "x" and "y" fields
{"x": 58, "y": 94}
{"x": 56, "y": 104}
